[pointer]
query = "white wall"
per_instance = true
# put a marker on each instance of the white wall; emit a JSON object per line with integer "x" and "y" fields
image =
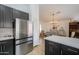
{"x": 65, "y": 25}
{"x": 35, "y": 19}
{"x": 33, "y": 11}
{"x": 46, "y": 26}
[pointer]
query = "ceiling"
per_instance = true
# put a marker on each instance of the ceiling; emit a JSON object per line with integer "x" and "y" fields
{"x": 67, "y": 11}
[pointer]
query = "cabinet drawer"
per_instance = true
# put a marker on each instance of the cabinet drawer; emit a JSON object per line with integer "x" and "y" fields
{"x": 6, "y": 41}
{"x": 66, "y": 50}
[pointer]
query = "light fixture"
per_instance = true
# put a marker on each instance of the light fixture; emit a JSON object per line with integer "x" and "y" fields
{"x": 53, "y": 19}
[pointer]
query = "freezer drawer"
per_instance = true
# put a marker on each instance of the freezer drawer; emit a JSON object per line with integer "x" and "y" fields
{"x": 23, "y": 40}
{"x": 24, "y": 48}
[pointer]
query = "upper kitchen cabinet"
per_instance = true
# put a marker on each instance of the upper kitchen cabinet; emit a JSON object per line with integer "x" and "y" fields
{"x": 20, "y": 14}
{"x": 6, "y": 16}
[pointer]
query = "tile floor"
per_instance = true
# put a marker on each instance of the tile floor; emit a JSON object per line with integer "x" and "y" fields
{"x": 39, "y": 50}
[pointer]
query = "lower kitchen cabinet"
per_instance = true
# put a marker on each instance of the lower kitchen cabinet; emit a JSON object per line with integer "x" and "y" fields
{"x": 66, "y": 50}
{"x": 6, "y": 47}
{"x": 52, "y": 48}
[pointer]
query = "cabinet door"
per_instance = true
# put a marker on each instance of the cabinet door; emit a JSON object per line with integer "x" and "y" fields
{"x": 8, "y": 17}
{"x": 6, "y": 47}
{"x": 1, "y": 52}
{"x": 2, "y": 48}
{"x": 46, "y": 48}
{"x": 52, "y": 48}
{"x": 66, "y": 50}
{"x": 1, "y": 16}
{"x": 24, "y": 15}
{"x": 16, "y": 14}
{"x": 5, "y": 16}
{"x": 20, "y": 14}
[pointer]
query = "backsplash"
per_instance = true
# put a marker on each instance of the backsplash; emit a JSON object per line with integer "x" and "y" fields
{"x": 5, "y": 32}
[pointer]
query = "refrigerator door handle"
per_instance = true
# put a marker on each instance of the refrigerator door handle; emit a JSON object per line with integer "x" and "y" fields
{"x": 28, "y": 42}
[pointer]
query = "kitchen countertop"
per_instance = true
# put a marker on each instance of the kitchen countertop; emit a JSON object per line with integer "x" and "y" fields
{"x": 73, "y": 42}
{"x": 6, "y": 38}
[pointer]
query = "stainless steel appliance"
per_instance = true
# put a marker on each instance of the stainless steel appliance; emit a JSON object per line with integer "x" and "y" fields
{"x": 23, "y": 36}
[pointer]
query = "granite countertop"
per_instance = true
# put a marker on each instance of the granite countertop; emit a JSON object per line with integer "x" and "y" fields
{"x": 6, "y": 38}
{"x": 73, "y": 42}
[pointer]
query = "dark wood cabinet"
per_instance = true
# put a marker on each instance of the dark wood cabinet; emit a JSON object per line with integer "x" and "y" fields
{"x": 74, "y": 27}
{"x": 16, "y": 14}
{"x": 6, "y": 17}
{"x": 66, "y": 50}
{"x": 6, "y": 47}
{"x": 20, "y": 14}
{"x": 1, "y": 16}
{"x": 52, "y": 48}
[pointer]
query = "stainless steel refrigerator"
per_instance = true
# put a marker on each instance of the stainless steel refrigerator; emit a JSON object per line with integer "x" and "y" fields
{"x": 23, "y": 36}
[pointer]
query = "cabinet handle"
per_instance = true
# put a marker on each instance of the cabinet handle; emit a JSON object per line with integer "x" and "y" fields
{"x": 1, "y": 48}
